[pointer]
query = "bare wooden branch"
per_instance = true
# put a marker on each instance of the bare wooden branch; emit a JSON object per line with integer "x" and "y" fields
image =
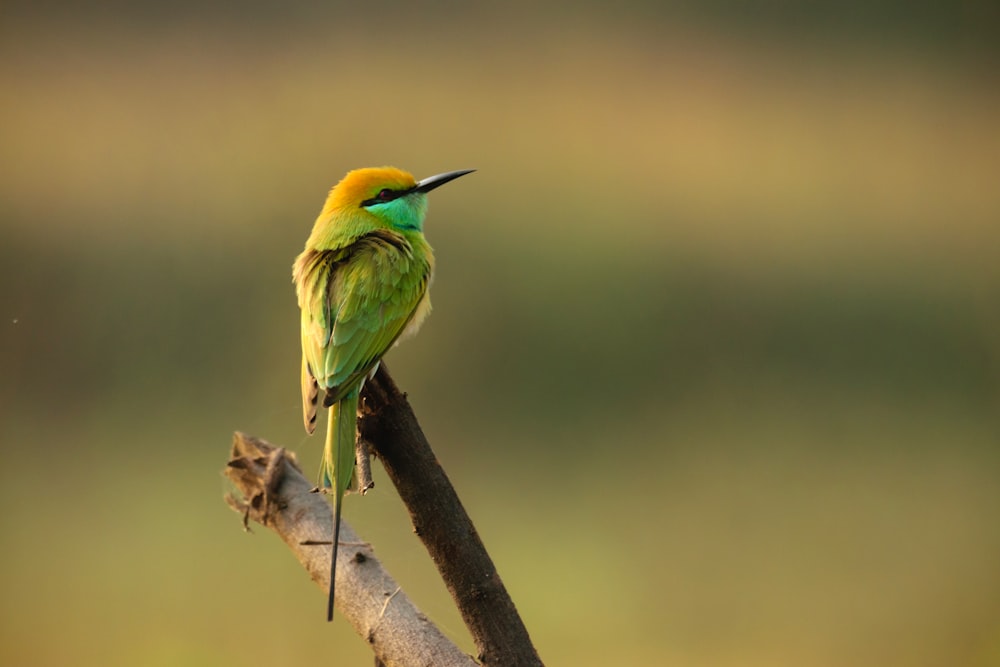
{"x": 277, "y": 495}
{"x": 388, "y": 423}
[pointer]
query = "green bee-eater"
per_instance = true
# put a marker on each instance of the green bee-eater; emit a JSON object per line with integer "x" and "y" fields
{"x": 362, "y": 283}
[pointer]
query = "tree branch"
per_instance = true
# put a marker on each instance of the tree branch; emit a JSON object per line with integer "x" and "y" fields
{"x": 278, "y": 496}
{"x": 388, "y": 423}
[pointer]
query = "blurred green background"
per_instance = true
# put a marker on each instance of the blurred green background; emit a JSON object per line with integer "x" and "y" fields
{"x": 715, "y": 356}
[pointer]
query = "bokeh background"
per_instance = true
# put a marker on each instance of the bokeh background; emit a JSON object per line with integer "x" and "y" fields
{"x": 715, "y": 357}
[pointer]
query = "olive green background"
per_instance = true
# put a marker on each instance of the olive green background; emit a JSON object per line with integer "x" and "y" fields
{"x": 715, "y": 356}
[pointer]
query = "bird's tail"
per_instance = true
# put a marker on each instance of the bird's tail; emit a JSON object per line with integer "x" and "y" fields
{"x": 338, "y": 468}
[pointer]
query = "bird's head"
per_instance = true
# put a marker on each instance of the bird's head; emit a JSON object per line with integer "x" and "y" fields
{"x": 391, "y": 195}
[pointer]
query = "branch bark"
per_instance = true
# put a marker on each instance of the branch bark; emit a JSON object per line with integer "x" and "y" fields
{"x": 439, "y": 520}
{"x": 278, "y": 496}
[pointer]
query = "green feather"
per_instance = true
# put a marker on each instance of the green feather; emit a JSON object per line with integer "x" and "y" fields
{"x": 338, "y": 470}
{"x": 356, "y": 301}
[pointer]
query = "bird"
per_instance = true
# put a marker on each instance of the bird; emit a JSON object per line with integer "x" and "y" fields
{"x": 362, "y": 283}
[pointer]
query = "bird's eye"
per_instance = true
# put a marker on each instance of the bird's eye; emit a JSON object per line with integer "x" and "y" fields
{"x": 385, "y": 194}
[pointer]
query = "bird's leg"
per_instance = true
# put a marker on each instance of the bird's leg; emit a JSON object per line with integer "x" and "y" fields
{"x": 363, "y": 452}
{"x": 364, "y": 468}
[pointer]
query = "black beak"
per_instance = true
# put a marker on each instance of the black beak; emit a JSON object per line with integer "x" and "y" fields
{"x": 432, "y": 182}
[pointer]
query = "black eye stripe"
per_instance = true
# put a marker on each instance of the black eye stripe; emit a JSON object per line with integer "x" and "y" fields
{"x": 384, "y": 195}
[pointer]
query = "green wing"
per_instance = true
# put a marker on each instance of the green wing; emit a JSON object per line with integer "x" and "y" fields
{"x": 355, "y": 302}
